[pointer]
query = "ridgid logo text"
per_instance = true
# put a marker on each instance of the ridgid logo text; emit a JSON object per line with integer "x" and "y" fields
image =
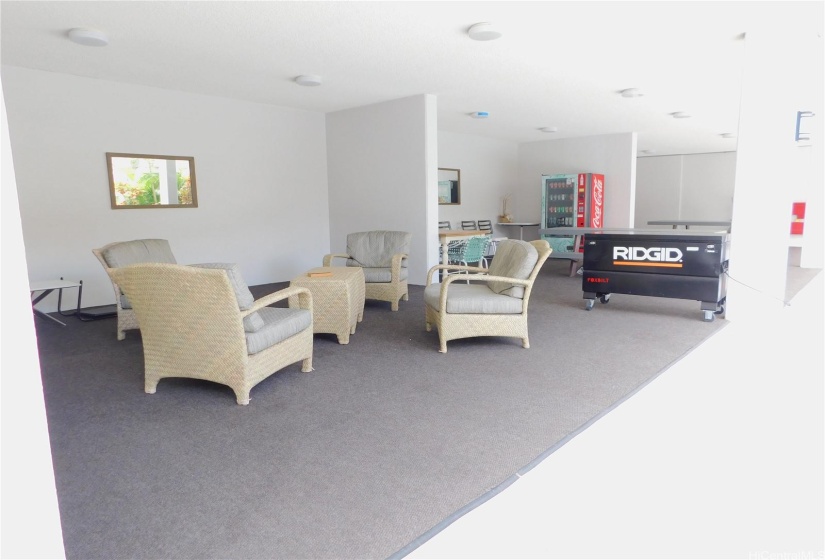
{"x": 647, "y": 256}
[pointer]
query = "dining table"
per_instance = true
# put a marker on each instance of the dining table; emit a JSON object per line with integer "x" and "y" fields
{"x": 521, "y": 225}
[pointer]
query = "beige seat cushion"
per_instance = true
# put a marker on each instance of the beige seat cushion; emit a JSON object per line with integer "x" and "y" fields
{"x": 472, "y": 298}
{"x": 382, "y": 275}
{"x": 279, "y": 323}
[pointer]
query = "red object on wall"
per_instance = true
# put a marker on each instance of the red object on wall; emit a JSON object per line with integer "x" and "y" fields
{"x": 596, "y": 199}
{"x": 589, "y": 198}
{"x": 590, "y": 203}
{"x": 799, "y": 218}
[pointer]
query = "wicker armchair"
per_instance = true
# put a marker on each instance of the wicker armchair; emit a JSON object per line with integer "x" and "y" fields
{"x": 201, "y": 322}
{"x": 124, "y": 253}
{"x": 494, "y": 303}
{"x": 383, "y": 256}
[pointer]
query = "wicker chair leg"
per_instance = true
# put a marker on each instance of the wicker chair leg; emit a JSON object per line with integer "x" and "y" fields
{"x": 428, "y": 326}
{"x": 242, "y": 396}
{"x": 394, "y": 305}
{"x": 442, "y": 342}
{"x": 406, "y": 296}
{"x": 121, "y": 334}
{"x": 306, "y": 365}
{"x": 150, "y": 385}
{"x": 525, "y": 342}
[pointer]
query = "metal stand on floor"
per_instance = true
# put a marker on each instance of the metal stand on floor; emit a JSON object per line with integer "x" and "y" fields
{"x": 47, "y": 287}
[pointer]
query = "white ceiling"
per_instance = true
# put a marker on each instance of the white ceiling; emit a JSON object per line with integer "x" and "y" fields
{"x": 558, "y": 64}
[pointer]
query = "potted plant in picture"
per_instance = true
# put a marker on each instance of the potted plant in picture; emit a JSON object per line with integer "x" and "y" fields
{"x": 505, "y": 217}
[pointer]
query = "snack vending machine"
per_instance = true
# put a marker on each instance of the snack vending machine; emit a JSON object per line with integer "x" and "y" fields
{"x": 573, "y": 200}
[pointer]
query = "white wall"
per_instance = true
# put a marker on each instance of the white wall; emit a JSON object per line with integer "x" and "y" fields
{"x": 382, "y": 175}
{"x": 707, "y": 186}
{"x": 261, "y": 178}
{"x": 613, "y": 155}
{"x": 31, "y": 518}
{"x": 489, "y": 171}
{"x": 685, "y": 187}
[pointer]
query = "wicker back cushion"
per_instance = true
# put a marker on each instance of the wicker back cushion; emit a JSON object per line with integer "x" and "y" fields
{"x": 514, "y": 259}
{"x": 252, "y": 322}
{"x": 138, "y": 251}
{"x": 374, "y": 249}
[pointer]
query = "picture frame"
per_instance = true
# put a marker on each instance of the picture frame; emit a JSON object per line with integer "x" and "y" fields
{"x": 151, "y": 181}
{"x": 449, "y": 185}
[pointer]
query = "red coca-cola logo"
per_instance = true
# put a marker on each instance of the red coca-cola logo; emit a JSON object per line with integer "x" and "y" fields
{"x": 598, "y": 202}
{"x": 598, "y": 191}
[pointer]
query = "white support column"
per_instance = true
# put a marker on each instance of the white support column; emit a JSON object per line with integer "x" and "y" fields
{"x": 31, "y": 515}
{"x": 776, "y": 57}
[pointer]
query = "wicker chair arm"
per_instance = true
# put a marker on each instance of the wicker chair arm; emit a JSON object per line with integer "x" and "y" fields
{"x": 454, "y": 268}
{"x": 304, "y": 299}
{"x": 395, "y": 266}
{"x": 488, "y": 278}
{"x": 328, "y": 258}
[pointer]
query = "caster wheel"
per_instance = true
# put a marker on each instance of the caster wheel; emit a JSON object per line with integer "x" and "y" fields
{"x": 605, "y": 298}
{"x": 708, "y": 316}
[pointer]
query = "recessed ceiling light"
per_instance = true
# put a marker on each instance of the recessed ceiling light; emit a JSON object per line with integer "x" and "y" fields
{"x": 550, "y": 129}
{"x": 480, "y": 115}
{"x": 308, "y": 80}
{"x": 483, "y": 31}
{"x": 631, "y": 92}
{"x": 680, "y": 115}
{"x": 728, "y": 135}
{"x": 88, "y": 37}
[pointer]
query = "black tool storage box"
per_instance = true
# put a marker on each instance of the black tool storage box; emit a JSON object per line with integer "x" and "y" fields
{"x": 670, "y": 264}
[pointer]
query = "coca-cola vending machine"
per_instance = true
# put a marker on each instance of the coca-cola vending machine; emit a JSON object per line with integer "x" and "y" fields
{"x": 571, "y": 200}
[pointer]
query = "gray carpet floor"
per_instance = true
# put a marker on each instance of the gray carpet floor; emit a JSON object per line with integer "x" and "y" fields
{"x": 381, "y": 443}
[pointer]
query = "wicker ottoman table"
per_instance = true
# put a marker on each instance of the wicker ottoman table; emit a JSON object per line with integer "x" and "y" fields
{"x": 337, "y": 299}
